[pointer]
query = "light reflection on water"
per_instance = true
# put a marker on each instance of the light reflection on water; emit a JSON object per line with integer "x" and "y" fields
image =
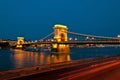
{"x": 10, "y": 59}
{"x": 25, "y": 58}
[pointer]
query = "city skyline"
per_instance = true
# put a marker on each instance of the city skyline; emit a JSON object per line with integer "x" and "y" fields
{"x": 35, "y": 19}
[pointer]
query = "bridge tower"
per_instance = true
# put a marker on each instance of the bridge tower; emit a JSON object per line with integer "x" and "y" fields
{"x": 20, "y": 42}
{"x": 60, "y": 34}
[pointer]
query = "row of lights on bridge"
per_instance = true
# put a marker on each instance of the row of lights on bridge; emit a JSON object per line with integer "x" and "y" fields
{"x": 70, "y": 39}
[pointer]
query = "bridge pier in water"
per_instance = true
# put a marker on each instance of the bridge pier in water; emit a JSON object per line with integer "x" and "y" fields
{"x": 60, "y": 34}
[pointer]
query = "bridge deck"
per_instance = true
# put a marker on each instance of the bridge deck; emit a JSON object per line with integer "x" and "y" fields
{"x": 78, "y": 42}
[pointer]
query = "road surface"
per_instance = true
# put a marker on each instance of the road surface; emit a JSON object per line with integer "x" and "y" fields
{"x": 109, "y": 70}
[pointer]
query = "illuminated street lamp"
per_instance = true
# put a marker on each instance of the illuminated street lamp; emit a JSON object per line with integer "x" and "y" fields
{"x": 87, "y": 38}
{"x": 35, "y": 40}
{"x": 93, "y": 38}
{"x": 118, "y": 36}
{"x": 76, "y": 39}
{"x": 51, "y": 39}
{"x": 70, "y": 39}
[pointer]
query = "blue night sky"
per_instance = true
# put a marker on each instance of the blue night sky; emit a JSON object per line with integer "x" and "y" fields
{"x": 34, "y": 19}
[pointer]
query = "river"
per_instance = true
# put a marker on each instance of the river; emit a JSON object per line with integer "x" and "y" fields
{"x": 15, "y": 58}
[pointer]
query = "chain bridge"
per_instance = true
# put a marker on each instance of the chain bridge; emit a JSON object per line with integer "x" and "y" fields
{"x": 61, "y": 36}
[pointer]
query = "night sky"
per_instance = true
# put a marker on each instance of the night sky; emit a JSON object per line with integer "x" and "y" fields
{"x": 34, "y": 19}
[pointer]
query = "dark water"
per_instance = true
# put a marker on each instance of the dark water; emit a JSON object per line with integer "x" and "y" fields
{"x": 10, "y": 59}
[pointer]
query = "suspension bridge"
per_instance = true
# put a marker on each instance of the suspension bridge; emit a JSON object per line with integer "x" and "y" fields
{"x": 61, "y": 35}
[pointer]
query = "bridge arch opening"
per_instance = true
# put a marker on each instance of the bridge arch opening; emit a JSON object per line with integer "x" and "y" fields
{"x": 62, "y": 37}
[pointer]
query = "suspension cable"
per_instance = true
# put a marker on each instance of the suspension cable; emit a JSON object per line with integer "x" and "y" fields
{"x": 47, "y": 36}
{"x": 86, "y": 35}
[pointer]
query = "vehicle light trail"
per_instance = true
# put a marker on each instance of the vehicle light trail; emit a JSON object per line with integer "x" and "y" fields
{"x": 103, "y": 66}
{"x": 88, "y": 67}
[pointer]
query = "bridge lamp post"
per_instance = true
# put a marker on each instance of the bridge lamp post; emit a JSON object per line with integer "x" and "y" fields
{"x": 41, "y": 40}
{"x": 118, "y": 37}
{"x": 87, "y": 38}
{"x": 70, "y": 39}
{"x": 52, "y": 40}
{"x": 76, "y": 39}
{"x": 93, "y": 38}
{"x": 36, "y": 41}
